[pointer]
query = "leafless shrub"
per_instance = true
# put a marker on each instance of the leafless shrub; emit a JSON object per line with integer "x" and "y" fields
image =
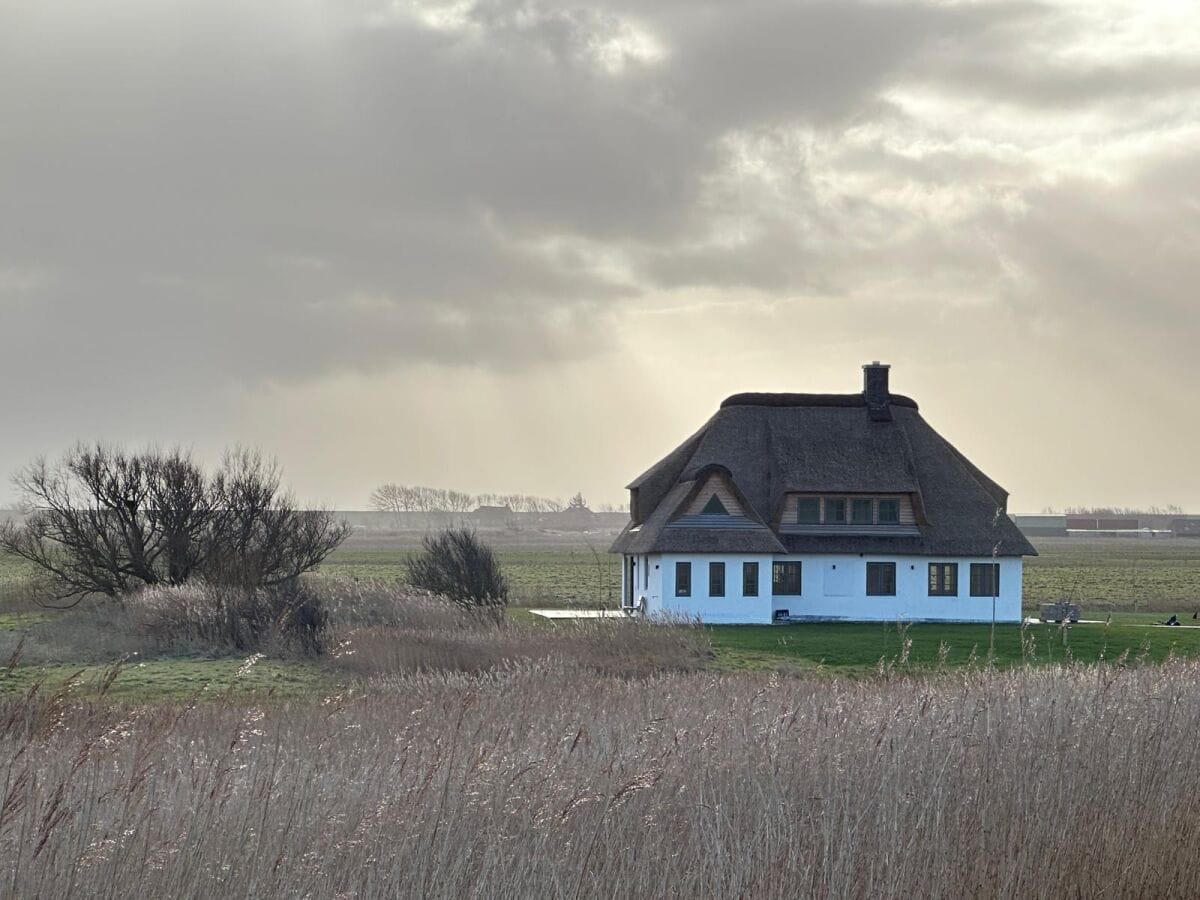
{"x": 104, "y": 521}
{"x": 545, "y": 781}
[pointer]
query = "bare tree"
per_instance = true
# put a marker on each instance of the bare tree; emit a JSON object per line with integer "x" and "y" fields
{"x": 393, "y": 498}
{"x": 104, "y": 521}
{"x": 457, "y": 501}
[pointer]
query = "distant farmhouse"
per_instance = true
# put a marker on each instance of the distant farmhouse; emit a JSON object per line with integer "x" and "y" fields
{"x": 1147, "y": 525}
{"x": 821, "y": 506}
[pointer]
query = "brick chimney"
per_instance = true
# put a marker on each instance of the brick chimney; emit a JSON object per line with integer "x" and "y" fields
{"x": 875, "y": 391}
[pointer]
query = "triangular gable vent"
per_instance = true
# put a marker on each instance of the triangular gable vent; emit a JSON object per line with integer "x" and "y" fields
{"x": 714, "y": 507}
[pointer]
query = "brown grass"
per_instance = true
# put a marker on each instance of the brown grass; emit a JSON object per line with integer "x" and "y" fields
{"x": 380, "y": 629}
{"x": 548, "y": 781}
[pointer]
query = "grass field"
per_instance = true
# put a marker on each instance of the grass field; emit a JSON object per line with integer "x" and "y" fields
{"x": 555, "y": 576}
{"x": 1124, "y": 574}
{"x": 1116, "y": 573}
{"x": 851, "y": 647}
{"x": 169, "y": 679}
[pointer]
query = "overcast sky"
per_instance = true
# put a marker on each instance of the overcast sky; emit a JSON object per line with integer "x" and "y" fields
{"x": 521, "y": 246}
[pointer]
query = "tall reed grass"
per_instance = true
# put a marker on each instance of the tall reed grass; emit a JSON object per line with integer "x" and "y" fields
{"x": 545, "y": 780}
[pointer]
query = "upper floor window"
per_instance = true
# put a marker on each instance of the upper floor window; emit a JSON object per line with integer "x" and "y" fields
{"x": 985, "y": 579}
{"x": 808, "y": 510}
{"x": 683, "y": 579}
{"x": 852, "y": 510}
{"x": 785, "y": 579}
{"x": 889, "y": 512}
{"x": 881, "y": 579}
{"x": 862, "y": 510}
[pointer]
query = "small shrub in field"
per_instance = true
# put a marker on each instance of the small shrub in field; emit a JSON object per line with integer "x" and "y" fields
{"x": 456, "y": 564}
{"x": 288, "y": 617}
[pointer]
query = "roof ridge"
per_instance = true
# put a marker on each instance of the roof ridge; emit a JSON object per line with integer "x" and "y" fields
{"x": 833, "y": 401}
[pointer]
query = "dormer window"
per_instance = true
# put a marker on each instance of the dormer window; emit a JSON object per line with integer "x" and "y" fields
{"x": 835, "y": 510}
{"x": 854, "y": 510}
{"x": 714, "y": 507}
{"x": 808, "y": 510}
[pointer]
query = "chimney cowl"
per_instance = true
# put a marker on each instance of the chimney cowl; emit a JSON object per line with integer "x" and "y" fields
{"x": 876, "y": 391}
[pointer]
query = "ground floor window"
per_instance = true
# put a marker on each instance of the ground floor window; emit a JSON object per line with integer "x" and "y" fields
{"x": 683, "y": 579}
{"x": 985, "y": 579}
{"x": 943, "y": 579}
{"x": 881, "y": 579}
{"x": 749, "y": 579}
{"x": 716, "y": 579}
{"x": 785, "y": 579}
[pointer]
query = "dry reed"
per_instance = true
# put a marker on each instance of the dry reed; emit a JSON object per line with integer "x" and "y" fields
{"x": 546, "y": 780}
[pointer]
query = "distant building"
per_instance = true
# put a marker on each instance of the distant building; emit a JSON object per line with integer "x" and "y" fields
{"x": 1186, "y": 527}
{"x": 492, "y": 516}
{"x": 1103, "y": 523}
{"x": 1042, "y": 526}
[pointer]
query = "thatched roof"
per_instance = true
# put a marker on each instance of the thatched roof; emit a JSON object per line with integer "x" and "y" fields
{"x": 769, "y": 445}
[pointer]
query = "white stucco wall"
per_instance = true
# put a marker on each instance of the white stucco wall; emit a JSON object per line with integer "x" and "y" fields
{"x": 833, "y": 588}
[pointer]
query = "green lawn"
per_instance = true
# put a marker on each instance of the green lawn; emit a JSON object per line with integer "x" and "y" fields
{"x": 175, "y": 679}
{"x": 860, "y": 647}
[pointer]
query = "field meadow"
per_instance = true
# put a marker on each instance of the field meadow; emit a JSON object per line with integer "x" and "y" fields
{"x": 1127, "y": 575}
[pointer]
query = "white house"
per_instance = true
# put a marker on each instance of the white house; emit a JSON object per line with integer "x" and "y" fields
{"x": 787, "y": 507}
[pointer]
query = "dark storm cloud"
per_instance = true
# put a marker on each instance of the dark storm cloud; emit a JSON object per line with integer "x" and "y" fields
{"x": 236, "y": 181}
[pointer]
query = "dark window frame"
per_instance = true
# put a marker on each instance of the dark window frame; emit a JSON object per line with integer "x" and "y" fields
{"x": 877, "y": 569}
{"x": 795, "y": 578}
{"x": 892, "y": 503}
{"x": 750, "y": 579}
{"x": 815, "y": 505}
{"x": 942, "y": 574}
{"x": 985, "y": 579}
{"x": 713, "y": 568}
{"x": 683, "y": 578}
